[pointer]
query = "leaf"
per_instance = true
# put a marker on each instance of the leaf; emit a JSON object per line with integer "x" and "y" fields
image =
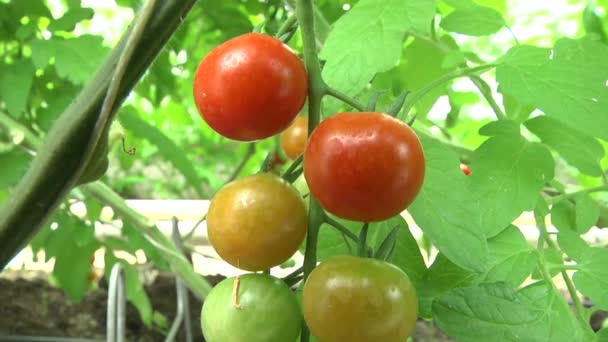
{"x": 449, "y": 230}
{"x": 368, "y": 39}
{"x": 70, "y": 18}
{"x": 591, "y": 277}
{"x": 514, "y": 109}
{"x": 572, "y": 244}
{"x": 85, "y": 51}
{"x": 129, "y": 118}
{"x": 511, "y": 259}
{"x": 510, "y": 171}
{"x": 138, "y": 241}
{"x": 494, "y": 312}
{"x": 551, "y": 255}
{"x": 568, "y": 83}
{"x": 579, "y": 216}
{"x": 473, "y": 21}
{"x": 15, "y": 85}
{"x": 577, "y": 148}
{"x": 14, "y": 164}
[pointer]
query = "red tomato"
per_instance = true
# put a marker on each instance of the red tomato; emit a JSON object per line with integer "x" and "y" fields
{"x": 250, "y": 87}
{"x": 364, "y": 166}
{"x": 293, "y": 139}
{"x": 465, "y": 169}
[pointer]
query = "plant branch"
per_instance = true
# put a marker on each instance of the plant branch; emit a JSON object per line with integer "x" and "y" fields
{"x": 561, "y": 197}
{"x": 486, "y": 92}
{"x": 344, "y": 98}
{"x": 416, "y": 96}
{"x": 341, "y": 228}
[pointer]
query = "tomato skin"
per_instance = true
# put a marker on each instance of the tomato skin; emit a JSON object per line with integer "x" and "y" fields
{"x": 293, "y": 139}
{"x": 465, "y": 169}
{"x": 355, "y": 299}
{"x": 250, "y": 87}
{"x": 269, "y": 311}
{"x": 364, "y": 166}
{"x": 257, "y": 222}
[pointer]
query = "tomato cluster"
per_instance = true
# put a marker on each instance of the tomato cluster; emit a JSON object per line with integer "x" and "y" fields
{"x": 365, "y": 167}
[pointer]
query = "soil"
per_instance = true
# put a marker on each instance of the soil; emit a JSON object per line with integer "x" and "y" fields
{"x": 30, "y": 306}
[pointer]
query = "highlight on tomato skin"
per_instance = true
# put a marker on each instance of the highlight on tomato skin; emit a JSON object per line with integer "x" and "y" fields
{"x": 365, "y": 167}
{"x": 236, "y": 87}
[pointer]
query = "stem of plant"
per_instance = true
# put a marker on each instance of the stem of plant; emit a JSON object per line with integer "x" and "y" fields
{"x": 574, "y": 194}
{"x": 345, "y": 231}
{"x": 316, "y": 89}
{"x": 344, "y": 98}
{"x": 544, "y": 236}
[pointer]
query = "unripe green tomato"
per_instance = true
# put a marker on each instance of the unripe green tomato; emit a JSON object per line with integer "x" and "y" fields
{"x": 264, "y": 309}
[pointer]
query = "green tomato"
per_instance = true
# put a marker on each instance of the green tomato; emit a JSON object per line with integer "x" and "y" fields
{"x": 355, "y": 299}
{"x": 262, "y": 309}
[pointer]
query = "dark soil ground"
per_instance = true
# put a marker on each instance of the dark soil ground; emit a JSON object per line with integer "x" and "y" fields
{"x": 30, "y": 306}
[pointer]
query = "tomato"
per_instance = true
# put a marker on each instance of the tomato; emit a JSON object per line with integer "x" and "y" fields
{"x": 364, "y": 166}
{"x": 465, "y": 169}
{"x": 355, "y": 299}
{"x": 257, "y": 222}
{"x": 293, "y": 139}
{"x": 250, "y": 87}
{"x": 263, "y": 309}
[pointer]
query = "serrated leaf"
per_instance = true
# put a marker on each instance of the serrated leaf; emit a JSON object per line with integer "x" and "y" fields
{"x": 579, "y": 216}
{"x": 572, "y": 244}
{"x": 70, "y": 18}
{"x": 129, "y": 119}
{"x": 511, "y": 259}
{"x": 494, "y": 312}
{"x": 449, "y": 230}
{"x": 15, "y": 85}
{"x": 591, "y": 277}
{"x": 14, "y": 164}
{"x": 510, "y": 171}
{"x": 368, "y": 39}
{"x": 577, "y": 148}
{"x": 85, "y": 51}
{"x": 568, "y": 83}
{"x": 473, "y": 21}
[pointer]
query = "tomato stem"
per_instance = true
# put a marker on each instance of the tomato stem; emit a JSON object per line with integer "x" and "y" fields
{"x": 362, "y": 245}
{"x": 344, "y": 98}
{"x": 235, "y": 292}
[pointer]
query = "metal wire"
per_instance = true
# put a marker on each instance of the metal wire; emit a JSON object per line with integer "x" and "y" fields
{"x": 115, "y": 328}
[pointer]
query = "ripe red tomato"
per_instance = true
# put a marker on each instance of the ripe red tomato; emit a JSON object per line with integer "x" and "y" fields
{"x": 250, "y": 87}
{"x": 293, "y": 139}
{"x": 263, "y": 309}
{"x": 257, "y": 222}
{"x": 355, "y": 299}
{"x": 364, "y": 166}
{"x": 465, "y": 169}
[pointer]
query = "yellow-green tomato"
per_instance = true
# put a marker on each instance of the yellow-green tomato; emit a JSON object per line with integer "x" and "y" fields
{"x": 260, "y": 308}
{"x": 257, "y": 222}
{"x": 355, "y": 299}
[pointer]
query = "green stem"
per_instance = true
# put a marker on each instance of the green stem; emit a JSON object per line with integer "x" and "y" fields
{"x": 316, "y": 89}
{"x": 29, "y": 137}
{"x": 561, "y": 197}
{"x": 287, "y": 25}
{"x": 414, "y": 97}
{"x": 544, "y": 236}
{"x": 344, "y": 98}
{"x": 341, "y": 228}
{"x": 486, "y": 92}
{"x": 362, "y": 243}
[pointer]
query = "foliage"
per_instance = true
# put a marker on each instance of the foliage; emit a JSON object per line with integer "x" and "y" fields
{"x": 522, "y": 101}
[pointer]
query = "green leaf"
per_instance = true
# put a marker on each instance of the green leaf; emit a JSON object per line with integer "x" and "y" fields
{"x": 511, "y": 258}
{"x": 368, "y": 39}
{"x": 572, "y": 244}
{"x": 473, "y": 21}
{"x": 577, "y": 148}
{"x": 139, "y": 242}
{"x": 129, "y": 118}
{"x": 514, "y": 109}
{"x": 494, "y": 312}
{"x": 551, "y": 255}
{"x": 591, "y": 278}
{"x": 449, "y": 230}
{"x": 509, "y": 170}
{"x": 85, "y": 51}
{"x": 579, "y": 216}
{"x": 567, "y": 83}
{"x": 14, "y": 164}
{"x": 15, "y": 85}
{"x": 70, "y": 18}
